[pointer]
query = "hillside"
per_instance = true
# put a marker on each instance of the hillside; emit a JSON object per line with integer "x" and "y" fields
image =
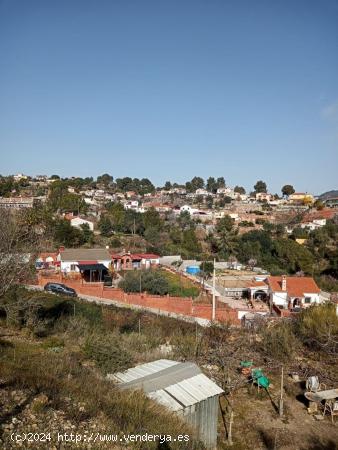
{"x": 55, "y": 354}
{"x": 329, "y": 194}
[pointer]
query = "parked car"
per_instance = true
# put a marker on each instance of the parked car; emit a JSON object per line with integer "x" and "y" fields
{"x": 59, "y": 288}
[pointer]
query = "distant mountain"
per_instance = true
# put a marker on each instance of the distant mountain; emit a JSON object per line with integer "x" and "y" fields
{"x": 329, "y": 194}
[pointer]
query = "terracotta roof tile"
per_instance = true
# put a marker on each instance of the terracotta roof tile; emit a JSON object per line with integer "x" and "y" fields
{"x": 295, "y": 286}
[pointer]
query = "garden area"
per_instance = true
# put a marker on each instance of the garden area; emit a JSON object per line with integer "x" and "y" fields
{"x": 158, "y": 282}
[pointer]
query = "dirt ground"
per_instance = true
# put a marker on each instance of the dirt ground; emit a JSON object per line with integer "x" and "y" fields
{"x": 257, "y": 424}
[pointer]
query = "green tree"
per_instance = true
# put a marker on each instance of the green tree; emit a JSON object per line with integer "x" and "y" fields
{"x": 194, "y": 184}
{"x": 88, "y": 235}
{"x": 6, "y": 186}
{"x": 225, "y": 225}
{"x": 190, "y": 242}
{"x": 105, "y": 179}
{"x": 209, "y": 201}
{"x": 116, "y": 215}
{"x": 207, "y": 268}
{"x": 227, "y": 237}
{"x": 151, "y": 281}
{"x": 152, "y": 235}
{"x": 184, "y": 220}
{"x": 293, "y": 256}
{"x": 65, "y": 234}
{"x": 212, "y": 185}
{"x": 61, "y": 200}
{"x": 220, "y": 182}
{"x": 319, "y": 205}
{"x": 239, "y": 189}
{"x": 260, "y": 186}
{"x": 105, "y": 226}
{"x": 287, "y": 190}
{"x": 151, "y": 218}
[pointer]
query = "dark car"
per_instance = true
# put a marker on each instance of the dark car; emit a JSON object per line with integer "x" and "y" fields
{"x": 59, "y": 288}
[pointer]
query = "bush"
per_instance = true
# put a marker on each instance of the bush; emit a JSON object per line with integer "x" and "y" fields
{"x": 279, "y": 341}
{"x": 317, "y": 327}
{"x": 151, "y": 281}
{"x": 115, "y": 243}
{"x": 106, "y": 351}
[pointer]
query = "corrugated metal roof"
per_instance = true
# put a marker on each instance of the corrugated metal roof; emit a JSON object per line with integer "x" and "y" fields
{"x": 176, "y": 385}
{"x": 165, "y": 399}
{"x": 143, "y": 370}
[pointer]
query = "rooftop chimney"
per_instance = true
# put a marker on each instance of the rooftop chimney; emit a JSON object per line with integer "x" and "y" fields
{"x": 283, "y": 283}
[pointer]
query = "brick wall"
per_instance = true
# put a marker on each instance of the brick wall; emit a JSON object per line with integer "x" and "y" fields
{"x": 177, "y": 305}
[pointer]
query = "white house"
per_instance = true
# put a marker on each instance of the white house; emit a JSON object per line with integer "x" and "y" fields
{"x": 189, "y": 209}
{"x": 290, "y": 292}
{"x": 20, "y": 176}
{"x": 226, "y": 191}
{"x": 91, "y": 263}
{"x": 131, "y": 204}
{"x": 263, "y": 196}
{"x": 77, "y": 222}
{"x": 202, "y": 191}
{"x": 316, "y": 223}
{"x": 240, "y": 197}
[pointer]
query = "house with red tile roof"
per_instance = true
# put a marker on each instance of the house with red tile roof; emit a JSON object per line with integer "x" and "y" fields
{"x": 293, "y": 292}
{"x": 130, "y": 261}
{"x": 258, "y": 289}
{"x": 47, "y": 260}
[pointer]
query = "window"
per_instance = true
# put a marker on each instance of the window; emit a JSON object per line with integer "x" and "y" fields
{"x": 307, "y": 300}
{"x": 73, "y": 267}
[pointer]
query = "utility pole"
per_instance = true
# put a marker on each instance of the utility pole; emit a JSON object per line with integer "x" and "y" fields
{"x": 213, "y": 295}
{"x": 134, "y": 231}
{"x": 281, "y": 406}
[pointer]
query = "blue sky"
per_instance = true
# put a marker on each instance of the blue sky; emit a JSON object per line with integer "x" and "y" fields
{"x": 171, "y": 89}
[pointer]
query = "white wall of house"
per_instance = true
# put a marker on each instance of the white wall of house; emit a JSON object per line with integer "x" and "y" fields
{"x": 280, "y": 299}
{"x": 189, "y": 209}
{"x": 313, "y": 299}
{"x": 148, "y": 262}
{"x": 77, "y": 222}
{"x": 71, "y": 266}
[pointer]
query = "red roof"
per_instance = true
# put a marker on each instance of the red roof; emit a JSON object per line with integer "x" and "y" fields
{"x": 87, "y": 263}
{"x": 135, "y": 255}
{"x": 256, "y": 283}
{"x": 322, "y": 214}
{"x": 295, "y": 286}
{"x": 147, "y": 255}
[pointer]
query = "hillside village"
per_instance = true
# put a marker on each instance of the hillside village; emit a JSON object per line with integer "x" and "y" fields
{"x": 188, "y": 230}
{"x": 204, "y": 297}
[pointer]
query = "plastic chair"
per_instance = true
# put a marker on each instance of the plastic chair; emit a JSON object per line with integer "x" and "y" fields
{"x": 313, "y": 385}
{"x": 332, "y": 407}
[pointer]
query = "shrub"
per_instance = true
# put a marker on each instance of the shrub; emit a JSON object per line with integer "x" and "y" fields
{"x": 115, "y": 243}
{"x": 317, "y": 327}
{"x": 106, "y": 351}
{"x": 279, "y": 341}
{"x": 151, "y": 281}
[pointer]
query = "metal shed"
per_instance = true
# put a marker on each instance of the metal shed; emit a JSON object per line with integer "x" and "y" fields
{"x": 181, "y": 387}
